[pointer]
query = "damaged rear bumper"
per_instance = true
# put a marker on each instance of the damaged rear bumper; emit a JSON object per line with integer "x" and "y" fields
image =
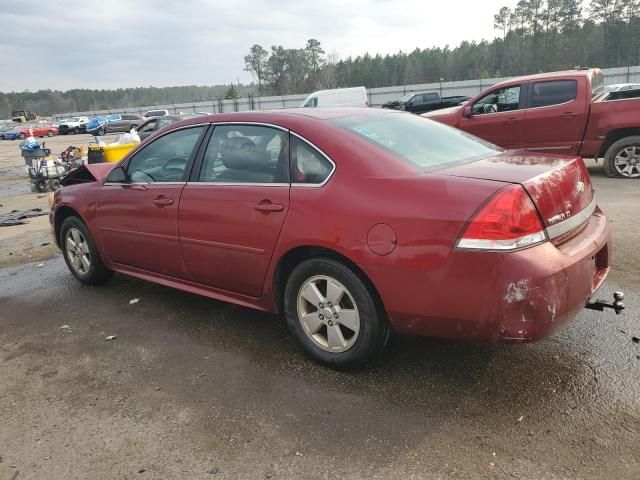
{"x": 507, "y": 297}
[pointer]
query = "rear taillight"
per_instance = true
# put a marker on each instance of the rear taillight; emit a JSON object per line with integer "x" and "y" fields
{"x": 507, "y": 222}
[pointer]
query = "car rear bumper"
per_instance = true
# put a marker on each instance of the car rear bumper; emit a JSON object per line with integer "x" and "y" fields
{"x": 501, "y": 297}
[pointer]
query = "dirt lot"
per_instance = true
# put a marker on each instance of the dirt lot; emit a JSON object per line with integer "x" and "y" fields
{"x": 32, "y": 241}
{"x": 198, "y": 389}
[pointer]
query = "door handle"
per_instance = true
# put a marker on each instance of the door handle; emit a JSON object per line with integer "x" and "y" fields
{"x": 269, "y": 207}
{"x": 569, "y": 114}
{"x": 162, "y": 201}
{"x": 512, "y": 120}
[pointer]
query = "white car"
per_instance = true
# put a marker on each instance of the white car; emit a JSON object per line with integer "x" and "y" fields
{"x": 73, "y": 125}
{"x": 155, "y": 113}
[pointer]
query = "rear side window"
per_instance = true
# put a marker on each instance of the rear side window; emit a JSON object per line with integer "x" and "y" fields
{"x": 308, "y": 165}
{"x": 554, "y": 92}
{"x": 129, "y": 117}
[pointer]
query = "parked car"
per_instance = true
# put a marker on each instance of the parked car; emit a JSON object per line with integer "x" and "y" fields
{"x": 559, "y": 112}
{"x": 155, "y": 113}
{"x": 104, "y": 124}
{"x": 287, "y": 212}
{"x": 621, "y": 87}
{"x": 73, "y": 125}
{"x": 422, "y": 102}
{"x": 156, "y": 123}
{"x": 23, "y": 131}
{"x": 338, "y": 97}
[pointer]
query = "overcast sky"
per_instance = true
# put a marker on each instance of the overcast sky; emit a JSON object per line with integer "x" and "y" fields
{"x": 118, "y": 43}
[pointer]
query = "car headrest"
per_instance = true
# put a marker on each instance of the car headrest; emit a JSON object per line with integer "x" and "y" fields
{"x": 241, "y": 153}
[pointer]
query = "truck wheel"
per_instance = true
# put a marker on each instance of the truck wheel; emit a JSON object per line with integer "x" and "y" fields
{"x": 22, "y": 136}
{"x": 334, "y": 314}
{"x": 623, "y": 158}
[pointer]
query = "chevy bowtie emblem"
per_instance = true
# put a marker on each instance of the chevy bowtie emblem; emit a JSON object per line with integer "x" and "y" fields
{"x": 580, "y": 187}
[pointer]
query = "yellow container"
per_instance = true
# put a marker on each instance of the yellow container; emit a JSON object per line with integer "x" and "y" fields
{"x": 112, "y": 153}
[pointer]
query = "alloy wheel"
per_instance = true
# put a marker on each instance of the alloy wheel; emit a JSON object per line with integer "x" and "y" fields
{"x": 78, "y": 251}
{"x": 627, "y": 162}
{"x": 328, "y": 314}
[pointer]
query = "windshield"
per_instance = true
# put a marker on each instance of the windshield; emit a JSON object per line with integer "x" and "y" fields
{"x": 407, "y": 97}
{"x": 421, "y": 142}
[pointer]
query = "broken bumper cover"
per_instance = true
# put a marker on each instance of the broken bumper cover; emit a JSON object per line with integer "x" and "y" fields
{"x": 505, "y": 297}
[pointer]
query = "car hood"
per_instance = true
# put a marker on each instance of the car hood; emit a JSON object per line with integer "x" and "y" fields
{"x": 94, "y": 172}
{"x": 442, "y": 112}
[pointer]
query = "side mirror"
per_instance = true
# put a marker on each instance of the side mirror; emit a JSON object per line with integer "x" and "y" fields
{"x": 117, "y": 175}
{"x": 467, "y": 113}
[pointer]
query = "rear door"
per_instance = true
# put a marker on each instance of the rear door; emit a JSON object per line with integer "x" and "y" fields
{"x": 498, "y": 116}
{"x": 556, "y": 116}
{"x": 232, "y": 210}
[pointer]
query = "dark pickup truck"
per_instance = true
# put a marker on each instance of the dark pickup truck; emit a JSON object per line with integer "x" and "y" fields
{"x": 421, "y": 102}
{"x": 559, "y": 112}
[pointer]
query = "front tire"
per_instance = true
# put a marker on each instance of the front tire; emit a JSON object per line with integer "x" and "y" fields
{"x": 623, "y": 158}
{"x": 50, "y": 133}
{"x": 334, "y": 314}
{"x": 80, "y": 253}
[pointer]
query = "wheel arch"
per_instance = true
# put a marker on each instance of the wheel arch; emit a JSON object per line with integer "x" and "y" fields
{"x": 62, "y": 213}
{"x": 614, "y": 135}
{"x": 295, "y": 256}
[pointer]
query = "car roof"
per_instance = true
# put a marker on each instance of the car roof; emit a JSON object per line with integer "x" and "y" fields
{"x": 320, "y": 113}
{"x": 548, "y": 76}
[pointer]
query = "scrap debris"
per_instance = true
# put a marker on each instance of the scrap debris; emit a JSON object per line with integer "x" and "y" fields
{"x": 16, "y": 217}
{"x": 133, "y": 301}
{"x": 110, "y": 337}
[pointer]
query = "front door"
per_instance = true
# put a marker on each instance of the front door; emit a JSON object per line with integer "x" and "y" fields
{"x": 232, "y": 213}
{"x": 138, "y": 219}
{"x": 498, "y": 118}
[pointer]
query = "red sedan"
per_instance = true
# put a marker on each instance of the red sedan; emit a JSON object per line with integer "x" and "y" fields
{"x": 38, "y": 131}
{"x": 351, "y": 222}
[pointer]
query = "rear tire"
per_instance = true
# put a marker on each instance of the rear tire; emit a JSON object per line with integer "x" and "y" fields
{"x": 50, "y": 133}
{"x": 622, "y": 159}
{"x": 342, "y": 334}
{"x": 80, "y": 253}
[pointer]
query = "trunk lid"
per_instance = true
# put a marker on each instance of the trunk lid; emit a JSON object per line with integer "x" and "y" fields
{"x": 560, "y": 187}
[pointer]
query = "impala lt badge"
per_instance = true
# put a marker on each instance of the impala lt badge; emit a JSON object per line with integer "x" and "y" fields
{"x": 559, "y": 217}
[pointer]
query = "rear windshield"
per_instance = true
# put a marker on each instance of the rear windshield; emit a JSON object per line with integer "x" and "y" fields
{"x": 423, "y": 143}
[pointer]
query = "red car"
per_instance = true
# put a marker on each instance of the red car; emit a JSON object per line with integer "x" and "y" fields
{"x": 558, "y": 112}
{"x": 351, "y": 222}
{"x": 38, "y": 131}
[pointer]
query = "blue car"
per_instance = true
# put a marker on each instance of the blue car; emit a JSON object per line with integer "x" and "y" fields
{"x": 12, "y": 134}
{"x": 96, "y": 125}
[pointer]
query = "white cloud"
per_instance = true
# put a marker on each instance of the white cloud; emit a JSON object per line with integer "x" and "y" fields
{"x": 59, "y": 45}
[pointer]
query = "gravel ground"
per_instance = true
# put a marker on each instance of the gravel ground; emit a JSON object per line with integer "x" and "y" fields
{"x": 198, "y": 389}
